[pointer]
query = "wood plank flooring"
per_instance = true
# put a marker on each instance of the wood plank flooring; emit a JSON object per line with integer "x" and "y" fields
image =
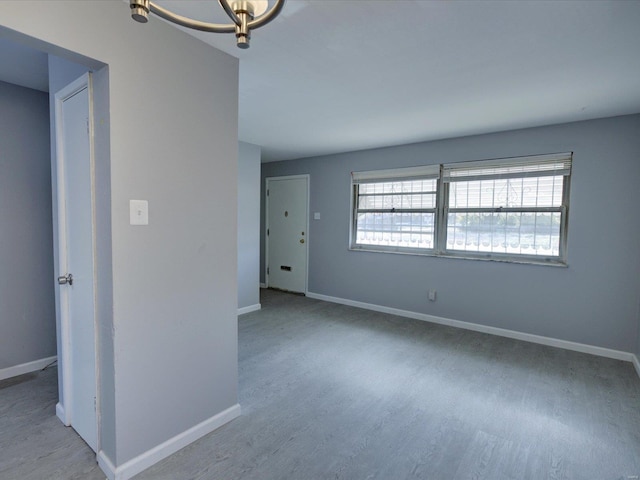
{"x": 335, "y": 392}
{"x": 34, "y": 444}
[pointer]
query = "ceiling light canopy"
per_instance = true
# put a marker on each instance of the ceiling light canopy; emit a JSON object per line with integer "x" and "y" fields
{"x": 245, "y": 15}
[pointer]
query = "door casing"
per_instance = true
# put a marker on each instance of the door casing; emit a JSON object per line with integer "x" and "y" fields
{"x": 65, "y": 408}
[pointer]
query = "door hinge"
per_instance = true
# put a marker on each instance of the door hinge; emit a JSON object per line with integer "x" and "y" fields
{"x": 267, "y": 270}
{"x": 88, "y": 126}
{"x": 267, "y": 193}
{"x": 267, "y": 232}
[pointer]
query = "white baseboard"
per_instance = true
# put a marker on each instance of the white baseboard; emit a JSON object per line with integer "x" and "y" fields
{"x": 60, "y": 413}
{"x": 107, "y": 466}
{"x": 502, "y": 332}
{"x": 249, "y": 309}
{"x": 263, "y": 285}
{"x": 159, "y": 452}
{"x": 26, "y": 367}
{"x": 636, "y": 363}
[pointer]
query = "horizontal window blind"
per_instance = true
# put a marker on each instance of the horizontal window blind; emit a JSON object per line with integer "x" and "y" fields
{"x": 519, "y": 167}
{"x": 396, "y": 174}
{"x": 509, "y": 209}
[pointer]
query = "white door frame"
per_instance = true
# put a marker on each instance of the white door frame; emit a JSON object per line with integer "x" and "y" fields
{"x": 305, "y": 176}
{"x": 64, "y": 410}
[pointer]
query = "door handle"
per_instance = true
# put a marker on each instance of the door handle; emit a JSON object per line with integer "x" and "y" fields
{"x": 302, "y": 240}
{"x": 66, "y": 279}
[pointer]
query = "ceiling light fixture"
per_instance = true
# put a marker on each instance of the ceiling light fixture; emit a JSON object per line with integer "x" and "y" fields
{"x": 245, "y": 14}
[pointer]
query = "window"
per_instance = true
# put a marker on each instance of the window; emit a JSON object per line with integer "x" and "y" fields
{"x": 395, "y": 210}
{"x": 509, "y": 209}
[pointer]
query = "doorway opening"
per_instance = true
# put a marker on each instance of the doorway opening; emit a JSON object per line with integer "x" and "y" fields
{"x": 59, "y": 71}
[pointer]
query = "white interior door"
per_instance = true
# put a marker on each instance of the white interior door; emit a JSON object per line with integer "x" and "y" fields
{"x": 76, "y": 258}
{"x": 287, "y": 232}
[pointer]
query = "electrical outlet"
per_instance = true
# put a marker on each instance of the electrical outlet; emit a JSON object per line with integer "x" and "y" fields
{"x": 432, "y": 295}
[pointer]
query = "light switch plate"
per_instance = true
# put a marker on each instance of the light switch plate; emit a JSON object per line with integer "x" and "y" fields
{"x": 138, "y": 212}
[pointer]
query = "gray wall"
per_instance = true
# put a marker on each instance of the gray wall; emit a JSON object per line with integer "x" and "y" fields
{"x": 638, "y": 344}
{"x": 168, "y": 337}
{"x": 248, "y": 225}
{"x": 594, "y": 301}
{"x": 27, "y": 311}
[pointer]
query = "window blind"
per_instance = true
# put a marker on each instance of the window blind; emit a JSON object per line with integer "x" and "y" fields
{"x": 396, "y": 174}
{"x": 518, "y": 167}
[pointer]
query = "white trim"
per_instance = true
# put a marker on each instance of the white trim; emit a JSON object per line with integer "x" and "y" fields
{"x": 249, "y": 309}
{"x": 85, "y": 82}
{"x": 61, "y": 414}
{"x": 94, "y": 247}
{"x": 502, "y": 332}
{"x": 263, "y": 285}
{"x": 26, "y": 367}
{"x": 107, "y": 466}
{"x": 159, "y": 452}
{"x": 636, "y": 363}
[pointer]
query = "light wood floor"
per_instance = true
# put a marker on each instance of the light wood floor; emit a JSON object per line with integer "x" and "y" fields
{"x": 334, "y": 392}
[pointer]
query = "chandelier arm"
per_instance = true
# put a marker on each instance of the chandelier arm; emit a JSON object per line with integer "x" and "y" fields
{"x": 268, "y": 16}
{"x": 190, "y": 23}
{"x": 232, "y": 15}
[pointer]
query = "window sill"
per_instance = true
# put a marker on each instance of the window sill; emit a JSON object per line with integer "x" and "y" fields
{"x": 484, "y": 258}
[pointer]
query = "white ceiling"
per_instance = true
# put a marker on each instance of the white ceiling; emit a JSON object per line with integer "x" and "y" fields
{"x": 330, "y": 76}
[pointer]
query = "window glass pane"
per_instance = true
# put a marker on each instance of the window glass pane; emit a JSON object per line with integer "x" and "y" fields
{"x": 512, "y": 233}
{"x": 366, "y": 188}
{"x": 412, "y": 201}
{"x": 413, "y": 194}
{"x": 411, "y": 230}
{"x": 509, "y": 193}
{"x": 407, "y": 186}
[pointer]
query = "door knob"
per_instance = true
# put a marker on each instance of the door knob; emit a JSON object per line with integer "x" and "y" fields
{"x": 302, "y": 240}
{"x": 66, "y": 279}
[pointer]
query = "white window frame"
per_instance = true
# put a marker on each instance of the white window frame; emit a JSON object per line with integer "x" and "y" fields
{"x": 391, "y": 175}
{"x": 516, "y": 167}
